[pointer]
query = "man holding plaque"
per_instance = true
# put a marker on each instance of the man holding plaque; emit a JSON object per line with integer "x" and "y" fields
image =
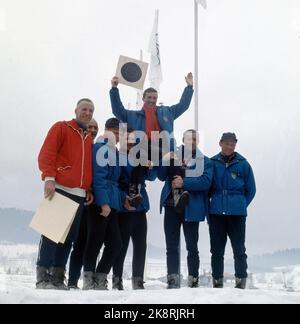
{"x": 65, "y": 161}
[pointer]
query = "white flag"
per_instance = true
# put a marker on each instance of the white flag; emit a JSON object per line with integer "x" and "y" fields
{"x": 155, "y": 73}
{"x": 203, "y": 3}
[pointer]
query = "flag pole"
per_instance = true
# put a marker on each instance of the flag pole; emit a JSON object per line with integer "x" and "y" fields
{"x": 139, "y": 96}
{"x": 196, "y": 76}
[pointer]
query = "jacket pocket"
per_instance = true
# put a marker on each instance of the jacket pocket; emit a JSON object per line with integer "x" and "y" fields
{"x": 237, "y": 205}
{"x": 61, "y": 169}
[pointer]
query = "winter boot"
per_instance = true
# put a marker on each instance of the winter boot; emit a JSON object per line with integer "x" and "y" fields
{"x": 193, "y": 282}
{"x": 101, "y": 282}
{"x": 218, "y": 283}
{"x": 117, "y": 283}
{"x": 88, "y": 280}
{"x": 240, "y": 283}
{"x": 181, "y": 200}
{"x": 42, "y": 278}
{"x": 173, "y": 281}
{"x": 73, "y": 284}
{"x": 73, "y": 287}
{"x": 137, "y": 283}
{"x": 57, "y": 279}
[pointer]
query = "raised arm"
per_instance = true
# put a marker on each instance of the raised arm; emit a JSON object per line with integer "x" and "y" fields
{"x": 185, "y": 101}
{"x": 118, "y": 108}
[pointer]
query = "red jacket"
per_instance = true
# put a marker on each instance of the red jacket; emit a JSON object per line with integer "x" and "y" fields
{"x": 66, "y": 155}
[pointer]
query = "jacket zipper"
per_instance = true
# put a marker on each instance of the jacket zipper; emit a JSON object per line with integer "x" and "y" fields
{"x": 227, "y": 166}
{"x": 82, "y": 169}
{"x": 83, "y": 151}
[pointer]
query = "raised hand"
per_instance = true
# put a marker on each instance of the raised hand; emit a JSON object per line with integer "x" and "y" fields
{"x": 115, "y": 82}
{"x": 190, "y": 79}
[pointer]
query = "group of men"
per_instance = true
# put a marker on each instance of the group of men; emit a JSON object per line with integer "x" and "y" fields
{"x": 109, "y": 184}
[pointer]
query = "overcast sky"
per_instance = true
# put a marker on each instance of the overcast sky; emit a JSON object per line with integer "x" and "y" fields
{"x": 54, "y": 52}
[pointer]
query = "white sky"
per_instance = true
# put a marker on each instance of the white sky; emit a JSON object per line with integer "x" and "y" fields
{"x": 54, "y": 52}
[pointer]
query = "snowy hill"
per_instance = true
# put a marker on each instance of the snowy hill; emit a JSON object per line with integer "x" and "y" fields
{"x": 14, "y": 227}
{"x": 267, "y": 262}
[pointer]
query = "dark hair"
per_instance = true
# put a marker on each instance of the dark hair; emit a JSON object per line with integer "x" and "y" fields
{"x": 112, "y": 123}
{"x": 149, "y": 90}
{"x": 130, "y": 130}
{"x": 84, "y": 99}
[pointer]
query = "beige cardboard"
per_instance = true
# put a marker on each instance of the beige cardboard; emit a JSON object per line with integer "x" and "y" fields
{"x": 54, "y": 218}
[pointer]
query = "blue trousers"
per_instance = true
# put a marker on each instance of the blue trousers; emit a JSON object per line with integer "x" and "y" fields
{"x": 234, "y": 227}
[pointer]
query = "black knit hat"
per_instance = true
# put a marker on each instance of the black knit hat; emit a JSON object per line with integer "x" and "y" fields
{"x": 112, "y": 123}
{"x": 229, "y": 137}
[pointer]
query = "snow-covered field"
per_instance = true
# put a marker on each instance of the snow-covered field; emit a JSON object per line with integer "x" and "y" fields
{"x": 20, "y": 290}
{"x": 17, "y": 286}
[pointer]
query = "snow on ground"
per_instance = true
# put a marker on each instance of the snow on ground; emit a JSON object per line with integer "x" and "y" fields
{"x": 17, "y": 286}
{"x": 287, "y": 278}
{"x": 17, "y": 289}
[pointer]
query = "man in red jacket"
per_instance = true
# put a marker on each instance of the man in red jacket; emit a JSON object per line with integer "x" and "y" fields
{"x": 65, "y": 161}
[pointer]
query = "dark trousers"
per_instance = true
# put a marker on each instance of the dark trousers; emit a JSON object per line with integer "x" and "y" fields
{"x": 134, "y": 226}
{"x": 101, "y": 231}
{"x": 234, "y": 227}
{"x": 76, "y": 259}
{"x": 138, "y": 175}
{"x": 56, "y": 255}
{"x": 137, "y": 178}
{"x": 172, "y": 224}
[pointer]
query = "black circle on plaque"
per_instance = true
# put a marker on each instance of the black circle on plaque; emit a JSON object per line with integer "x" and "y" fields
{"x": 131, "y": 72}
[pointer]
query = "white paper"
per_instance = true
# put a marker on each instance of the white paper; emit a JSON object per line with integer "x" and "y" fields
{"x": 54, "y": 218}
